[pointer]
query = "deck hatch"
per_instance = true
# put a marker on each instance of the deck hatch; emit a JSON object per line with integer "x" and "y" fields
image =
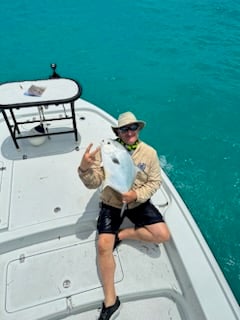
{"x": 53, "y": 275}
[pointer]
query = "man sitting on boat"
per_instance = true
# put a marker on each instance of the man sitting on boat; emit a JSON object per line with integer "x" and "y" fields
{"x": 148, "y": 221}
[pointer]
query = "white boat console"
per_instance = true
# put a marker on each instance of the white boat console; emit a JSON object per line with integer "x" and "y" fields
{"x": 38, "y": 93}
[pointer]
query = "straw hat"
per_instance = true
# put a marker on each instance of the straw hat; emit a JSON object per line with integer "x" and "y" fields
{"x": 128, "y": 118}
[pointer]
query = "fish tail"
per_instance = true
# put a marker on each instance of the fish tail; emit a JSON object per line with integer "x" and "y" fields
{"x": 123, "y": 209}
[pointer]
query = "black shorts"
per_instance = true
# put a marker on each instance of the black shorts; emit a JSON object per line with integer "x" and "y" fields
{"x": 109, "y": 219}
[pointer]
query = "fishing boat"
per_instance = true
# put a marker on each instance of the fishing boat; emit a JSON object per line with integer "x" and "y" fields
{"x": 48, "y": 222}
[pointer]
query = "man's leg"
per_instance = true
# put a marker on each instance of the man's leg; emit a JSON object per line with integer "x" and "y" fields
{"x": 156, "y": 233}
{"x": 107, "y": 267}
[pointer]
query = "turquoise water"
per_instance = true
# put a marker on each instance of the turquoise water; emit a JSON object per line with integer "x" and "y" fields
{"x": 175, "y": 64}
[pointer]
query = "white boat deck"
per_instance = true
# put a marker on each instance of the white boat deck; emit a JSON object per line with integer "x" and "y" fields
{"x": 48, "y": 239}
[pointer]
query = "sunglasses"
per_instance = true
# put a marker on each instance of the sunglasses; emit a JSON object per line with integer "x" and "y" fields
{"x": 132, "y": 127}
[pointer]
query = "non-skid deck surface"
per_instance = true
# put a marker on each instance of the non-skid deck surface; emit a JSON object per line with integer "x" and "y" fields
{"x": 62, "y": 275}
{"x": 48, "y": 237}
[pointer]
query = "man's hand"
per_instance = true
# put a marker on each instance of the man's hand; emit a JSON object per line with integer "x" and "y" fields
{"x": 88, "y": 158}
{"x": 128, "y": 197}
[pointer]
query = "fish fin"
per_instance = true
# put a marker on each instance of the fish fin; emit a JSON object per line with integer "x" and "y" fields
{"x": 112, "y": 186}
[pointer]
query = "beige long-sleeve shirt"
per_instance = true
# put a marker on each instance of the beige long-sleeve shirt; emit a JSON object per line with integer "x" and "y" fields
{"x": 147, "y": 181}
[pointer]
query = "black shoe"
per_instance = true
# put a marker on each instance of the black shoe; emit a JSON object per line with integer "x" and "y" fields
{"x": 110, "y": 313}
{"x": 116, "y": 242}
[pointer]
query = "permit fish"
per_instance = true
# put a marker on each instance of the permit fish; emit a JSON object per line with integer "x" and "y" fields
{"x": 120, "y": 171}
